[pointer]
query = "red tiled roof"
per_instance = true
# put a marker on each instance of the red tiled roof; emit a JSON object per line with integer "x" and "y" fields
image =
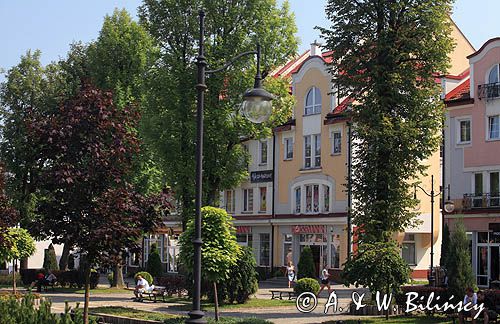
{"x": 461, "y": 76}
{"x": 461, "y": 92}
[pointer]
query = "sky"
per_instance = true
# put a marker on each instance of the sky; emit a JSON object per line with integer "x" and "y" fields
{"x": 52, "y": 25}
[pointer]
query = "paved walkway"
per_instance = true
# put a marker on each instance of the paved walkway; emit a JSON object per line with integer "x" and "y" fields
{"x": 278, "y": 315}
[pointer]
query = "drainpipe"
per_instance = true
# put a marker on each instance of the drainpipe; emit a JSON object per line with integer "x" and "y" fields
{"x": 272, "y": 203}
{"x": 349, "y": 190}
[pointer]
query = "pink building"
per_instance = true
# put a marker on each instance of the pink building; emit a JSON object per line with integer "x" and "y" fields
{"x": 472, "y": 157}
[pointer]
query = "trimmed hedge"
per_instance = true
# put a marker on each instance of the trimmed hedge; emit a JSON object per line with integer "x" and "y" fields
{"x": 306, "y": 285}
{"x": 145, "y": 275}
{"x": 175, "y": 284}
{"x": 71, "y": 278}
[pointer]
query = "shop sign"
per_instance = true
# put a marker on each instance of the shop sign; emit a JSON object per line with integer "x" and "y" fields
{"x": 304, "y": 229}
{"x": 243, "y": 229}
{"x": 261, "y": 176}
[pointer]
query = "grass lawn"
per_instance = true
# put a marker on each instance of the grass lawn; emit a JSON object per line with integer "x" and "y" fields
{"x": 251, "y": 303}
{"x": 167, "y": 318}
{"x": 398, "y": 320}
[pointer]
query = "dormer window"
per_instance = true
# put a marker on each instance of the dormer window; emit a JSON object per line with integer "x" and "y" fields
{"x": 494, "y": 76}
{"x": 313, "y": 102}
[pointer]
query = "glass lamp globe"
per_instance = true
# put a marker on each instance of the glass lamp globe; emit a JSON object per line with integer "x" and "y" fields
{"x": 449, "y": 206}
{"x": 257, "y": 106}
{"x": 417, "y": 207}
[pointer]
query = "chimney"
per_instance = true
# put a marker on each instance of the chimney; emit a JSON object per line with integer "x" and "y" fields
{"x": 315, "y": 49}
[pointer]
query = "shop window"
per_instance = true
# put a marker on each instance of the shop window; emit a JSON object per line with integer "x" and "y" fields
{"x": 287, "y": 249}
{"x": 482, "y": 237}
{"x": 482, "y": 265}
{"x": 408, "y": 249}
{"x": 335, "y": 251}
{"x": 244, "y": 239}
{"x": 264, "y": 249}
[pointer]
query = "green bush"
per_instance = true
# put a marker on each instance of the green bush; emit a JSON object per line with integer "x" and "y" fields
{"x": 24, "y": 312}
{"x": 145, "y": 275}
{"x": 242, "y": 280}
{"x": 110, "y": 278}
{"x": 50, "y": 259}
{"x": 6, "y": 279}
{"x": 306, "y": 284}
{"x": 460, "y": 275}
{"x": 154, "y": 266}
{"x": 306, "y": 268}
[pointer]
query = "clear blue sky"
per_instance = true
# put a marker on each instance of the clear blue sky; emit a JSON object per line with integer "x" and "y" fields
{"x": 52, "y": 25}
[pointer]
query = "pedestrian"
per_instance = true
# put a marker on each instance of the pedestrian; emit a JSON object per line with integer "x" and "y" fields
{"x": 325, "y": 280}
{"x": 290, "y": 271}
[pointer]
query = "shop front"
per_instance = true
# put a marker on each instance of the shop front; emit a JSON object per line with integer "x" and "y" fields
{"x": 486, "y": 260}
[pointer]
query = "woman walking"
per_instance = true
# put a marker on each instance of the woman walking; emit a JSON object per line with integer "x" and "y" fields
{"x": 325, "y": 280}
{"x": 290, "y": 270}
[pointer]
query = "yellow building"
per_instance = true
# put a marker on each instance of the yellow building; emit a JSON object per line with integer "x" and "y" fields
{"x": 296, "y": 195}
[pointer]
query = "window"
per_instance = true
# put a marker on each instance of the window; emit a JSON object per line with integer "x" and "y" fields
{"x": 298, "y": 197}
{"x": 337, "y": 142}
{"x": 335, "y": 248}
{"x": 478, "y": 190}
{"x": 287, "y": 248}
{"x": 263, "y": 152}
{"x": 229, "y": 198}
{"x": 263, "y": 205}
{"x": 494, "y": 189}
{"x": 244, "y": 239}
{"x": 326, "y": 198}
{"x": 312, "y": 144}
{"x": 247, "y": 200}
{"x": 494, "y": 127}
{"x": 493, "y": 77}
{"x": 264, "y": 249}
{"x": 312, "y": 198}
{"x": 408, "y": 249}
{"x": 288, "y": 148}
{"x": 465, "y": 131}
{"x": 313, "y": 102}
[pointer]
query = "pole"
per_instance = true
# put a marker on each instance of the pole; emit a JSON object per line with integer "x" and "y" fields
{"x": 196, "y": 314}
{"x": 273, "y": 204}
{"x": 349, "y": 192}
{"x": 431, "y": 277}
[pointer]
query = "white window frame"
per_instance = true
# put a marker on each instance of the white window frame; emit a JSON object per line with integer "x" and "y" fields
{"x": 263, "y": 158}
{"x": 285, "y": 243}
{"x": 459, "y": 129}
{"x": 260, "y": 199}
{"x": 333, "y": 133}
{"x": 302, "y": 185}
{"x": 248, "y": 208}
{"x": 226, "y": 200}
{"x": 288, "y": 141}
{"x": 412, "y": 242}
{"x": 487, "y": 76}
{"x": 488, "y": 133}
{"x": 316, "y": 107}
{"x": 313, "y": 156}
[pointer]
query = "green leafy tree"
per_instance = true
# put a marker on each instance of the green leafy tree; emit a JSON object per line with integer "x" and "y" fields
{"x": 231, "y": 28}
{"x": 385, "y": 55}
{"x": 18, "y": 245}
{"x": 50, "y": 259}
{"x": 460, "y": 275}
{"x": 306, "y": 268}
{"x": 154, "y": 266}
{"x": 242, "y": 281}
{"x": 220, "y": 251}
{"x": 445, "y": 246}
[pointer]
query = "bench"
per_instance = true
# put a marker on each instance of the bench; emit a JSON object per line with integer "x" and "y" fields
{"x": 455, "y": 318}
{"x": 278, "y": 294}
{"x": 158, "y": 291}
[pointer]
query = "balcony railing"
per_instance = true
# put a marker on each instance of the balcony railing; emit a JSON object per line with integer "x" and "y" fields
{"x": 489, "y": 91}
{"x": 487, "y": 200}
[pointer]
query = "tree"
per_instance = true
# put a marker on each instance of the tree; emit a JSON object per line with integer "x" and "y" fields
{"x": 8, "y": 214}
{"x": 19, "y": 245}
{"x": 50, "y": 259}
{"x": 231, "y": 28}
{"x": 445, "y": 246}
{"x": 460, "y": 275}
{"x": 385, "y": 55}
{"x": 154, "y": 266}
{"x": 220, "y": 251}
{"x": 88, "y": 148}
{"x": 306, "y": 268}
{"x": 243, "y": 278}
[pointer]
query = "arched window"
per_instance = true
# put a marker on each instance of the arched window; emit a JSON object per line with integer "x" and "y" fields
{"x": 494, "y": 76}
{"x": 313, "y": 102}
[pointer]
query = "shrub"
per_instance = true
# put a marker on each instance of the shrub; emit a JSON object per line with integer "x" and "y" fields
{"x": 422, "y": 291}
{"x": 306, "y": 284}
{"x": 50, "y": 259}
{"x": 154, "y": 266}
{"x": 175, "y": 284}
{"x": 25, "y": 312}
{"x": 305, "y": 266}
{"x": 110, "y": 278}
{"x": 242, "y": 280}
{"x": 460, "y": 275}
{"x": 29, "y": 275}
{"x": 145, "y": 275}
{"x": 6, "y": 279}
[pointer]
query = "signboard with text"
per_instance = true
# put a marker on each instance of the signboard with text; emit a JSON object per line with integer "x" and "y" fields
{"x": 261, "y": 176}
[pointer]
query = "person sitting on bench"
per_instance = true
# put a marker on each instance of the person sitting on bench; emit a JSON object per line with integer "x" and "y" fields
{"x": 489, "y": 307}
{"x": 141, "y": 287}
{"x": 40, "y": 277}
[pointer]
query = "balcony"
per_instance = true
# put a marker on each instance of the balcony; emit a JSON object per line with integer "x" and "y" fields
{"x": 489, "y": 91}
{"x": 478, "y": 201}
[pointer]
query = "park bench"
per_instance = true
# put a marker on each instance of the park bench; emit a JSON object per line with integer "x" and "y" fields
{"x": 158, "y": 291}
{"x": 278, "y": 294}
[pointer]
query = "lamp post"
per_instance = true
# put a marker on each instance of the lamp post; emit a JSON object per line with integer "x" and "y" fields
{"x": 256, "y": 107}
{"x": 449, "y": 206}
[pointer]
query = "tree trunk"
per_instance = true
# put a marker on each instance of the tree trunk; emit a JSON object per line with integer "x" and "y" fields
{"x": 118, "y": 281}
{"x": 216, "y": 301}
{"x": 23, "y": 264}
{"x": 87, "y": 295}
{"x": 387, "y": 310}
{"x": 14, "y": 267}
{"x": 63, "y": 262}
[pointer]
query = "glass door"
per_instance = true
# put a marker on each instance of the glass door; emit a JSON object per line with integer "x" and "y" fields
{"x": 494, "y": 265}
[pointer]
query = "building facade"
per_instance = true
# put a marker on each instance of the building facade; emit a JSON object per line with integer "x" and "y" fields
{"x": 473, "y": 159}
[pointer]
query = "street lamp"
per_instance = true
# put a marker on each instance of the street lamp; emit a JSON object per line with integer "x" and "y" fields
{"x": 449, "y": 206}
{"x": 257, "y": 108}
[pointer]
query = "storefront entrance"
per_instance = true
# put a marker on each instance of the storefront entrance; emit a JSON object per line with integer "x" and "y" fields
{"x": 488, "y": 259}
